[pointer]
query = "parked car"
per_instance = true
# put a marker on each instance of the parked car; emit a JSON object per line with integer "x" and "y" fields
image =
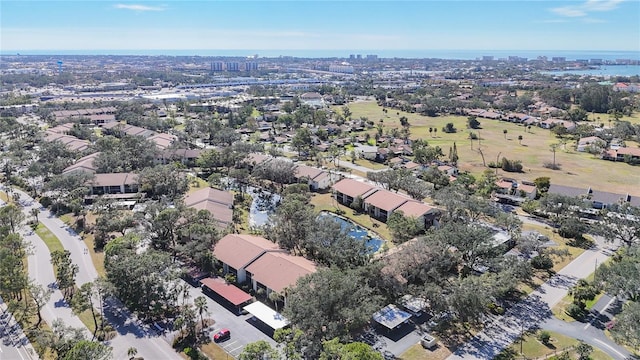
{"x": 222, "y": 335}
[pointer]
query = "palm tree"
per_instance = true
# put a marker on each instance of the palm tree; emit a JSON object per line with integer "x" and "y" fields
{"x": 275, "y": 297}
{"x": 505, "y": 133}
{"x": 201, "y": 305}
{"x": 132, "y": 352}
{"x": 430, "y": 131}
{"x": 435, "y": 132}
{"x": 520, "y": 139}
{"x": 35, "y": 213}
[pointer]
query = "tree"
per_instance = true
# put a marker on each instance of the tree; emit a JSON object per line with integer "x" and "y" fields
{"x": 351, "y": 302}
{"x": 275, "y": 297}
{"x": 12, "y": 217}
{"x": 448, "y": 128}
{"x": 291, "y": 222}
{"x": 66, "y": 272}
{"x": 584, "y": 350}
{"x": 621, "y": 276}
{"x": 329, "y": 244}
{"x": 85, "y": 350}
{"x": 14, "y": 280}
{"x": 473, "y": 123}
{"x": 132, "y": 352}
{"x": 40, "y": 296}
{"x": 542, "y": 184}
{"x": 259, "y": 350}
{"x": 302, "y": 142}
{"x": 202, "y": 308}
{"x": 622, "y": 225}
{"x": 505, "y": 133}
{"x": 625, "y": 329}
{"x": 163, "y": 180}
{"x": 403, "y": 227}
{"x": 333, "y": 349}
{"x": 520, "y": 139}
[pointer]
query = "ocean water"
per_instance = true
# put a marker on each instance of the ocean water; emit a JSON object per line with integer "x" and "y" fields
{"x": 604, "y": 70}
{"x": 338, "y": 53}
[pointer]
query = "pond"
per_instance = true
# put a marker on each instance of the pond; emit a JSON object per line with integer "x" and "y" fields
{"x": 357, "y": 232}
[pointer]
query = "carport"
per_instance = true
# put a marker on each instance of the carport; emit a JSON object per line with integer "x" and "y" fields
{"x": 391, "y": 317}
{"x": 267, "y": 315}
{"x": 227, "y": 294}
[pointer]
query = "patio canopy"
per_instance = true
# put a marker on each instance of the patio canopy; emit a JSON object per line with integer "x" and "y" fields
{"x": 267, "y": 315}
{"x": 391, "y": 316}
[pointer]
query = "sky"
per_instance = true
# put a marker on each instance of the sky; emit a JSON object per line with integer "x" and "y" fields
{"x": 320, "y": 24}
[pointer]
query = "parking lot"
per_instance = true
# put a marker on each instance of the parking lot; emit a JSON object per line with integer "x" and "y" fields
{"x": 242, "y": 327}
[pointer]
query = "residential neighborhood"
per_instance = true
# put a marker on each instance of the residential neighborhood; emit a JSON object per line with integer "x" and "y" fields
{"x": 297, "y": 208}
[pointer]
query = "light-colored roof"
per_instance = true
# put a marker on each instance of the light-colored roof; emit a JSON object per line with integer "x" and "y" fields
{"x": 239, "y": 250}
{"x": 415, "y": 208}
{"x": 279, "y": 270}
{"x": 352, "y": 187}
{"x": 391, "y": 316}
{"x": 386, "y": 200}
{"x": 221, "y": 213}
{"x": 267, "y": 315}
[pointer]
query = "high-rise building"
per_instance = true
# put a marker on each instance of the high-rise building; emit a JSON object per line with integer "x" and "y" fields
{"x": 217, "y": 66}
{"x": 250, "y": 66}
{"x": 232, "y": 66}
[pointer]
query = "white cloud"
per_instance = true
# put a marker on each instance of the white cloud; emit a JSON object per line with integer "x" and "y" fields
{"x": 137, "y": 7}
{"x": 584, "y": 9}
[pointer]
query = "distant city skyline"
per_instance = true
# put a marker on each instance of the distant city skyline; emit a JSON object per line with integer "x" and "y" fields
{"x": 371, "y": 26}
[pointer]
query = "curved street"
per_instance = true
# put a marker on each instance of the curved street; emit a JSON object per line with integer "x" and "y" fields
{"x": 130, "y": 333}
{"x": 535, "y": 312}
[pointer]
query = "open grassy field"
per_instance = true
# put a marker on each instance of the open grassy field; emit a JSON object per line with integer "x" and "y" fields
{"x": 577, "y": 169}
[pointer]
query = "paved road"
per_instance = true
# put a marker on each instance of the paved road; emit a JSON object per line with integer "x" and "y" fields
{"x": 130, "y": 332}
{"x": 13, "y": 342}
{"x": 534, "y": 310}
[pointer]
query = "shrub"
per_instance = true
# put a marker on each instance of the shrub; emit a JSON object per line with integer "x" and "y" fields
{"x": 45, "y": 201}
{"x": 575, "y": 311}
{"x": 511, "y": 165}
{"x": 542, "y": 262}
{"x": 544, "y": 337}
{"x": 449, "y": 128}
{"x": 552, "y": 166}
{"x": 473, "y": 136}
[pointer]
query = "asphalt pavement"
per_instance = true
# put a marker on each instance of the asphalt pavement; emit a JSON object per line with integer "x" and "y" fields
{"x": 533, "y": 311}
{"x": 130, "y": 331}
{"x": 13, "y": 342}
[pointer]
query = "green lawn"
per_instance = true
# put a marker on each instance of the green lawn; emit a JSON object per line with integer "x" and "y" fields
{"x": 533, "y": 152}
{"x": 533, "y": 348}
{"x": 369, "y": 164}
{"x": 52, "y": 242}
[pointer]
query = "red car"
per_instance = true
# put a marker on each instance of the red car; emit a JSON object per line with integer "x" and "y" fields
{"x": 222, "y": 335}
